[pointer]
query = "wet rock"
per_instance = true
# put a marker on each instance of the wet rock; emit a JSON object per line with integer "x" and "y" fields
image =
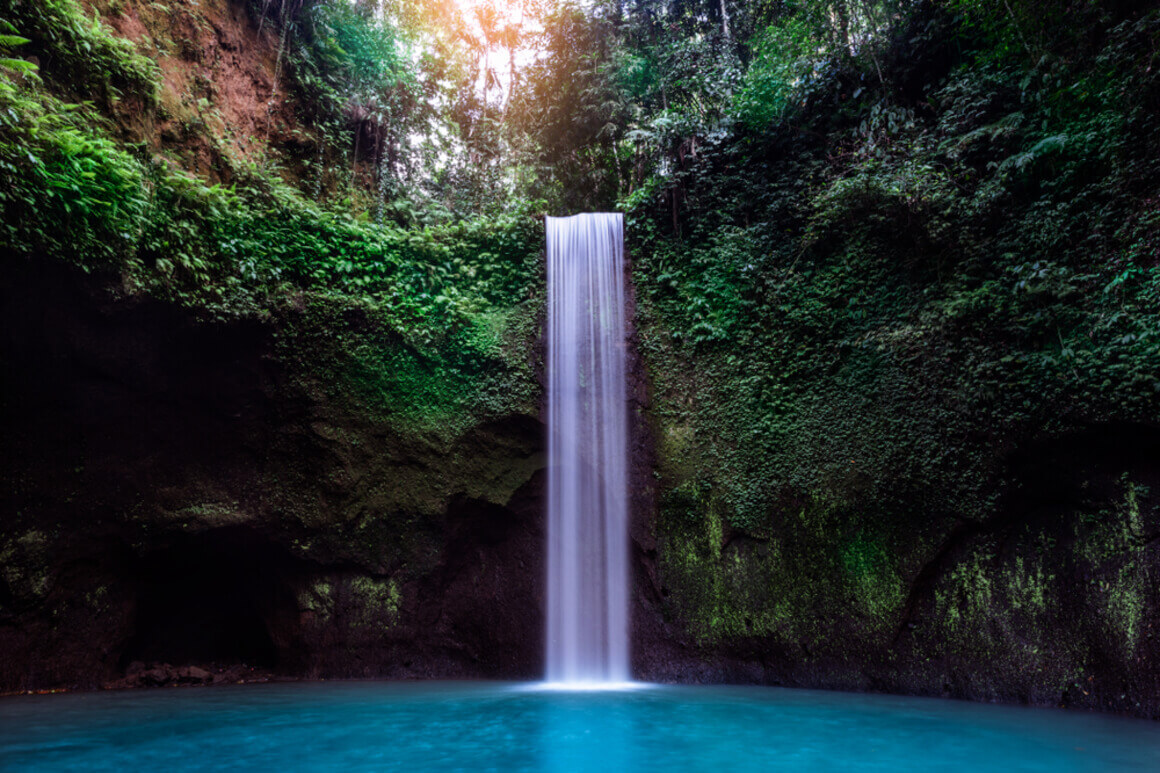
{"x": 193, "y": 675}
{"x": 157, "y": 676}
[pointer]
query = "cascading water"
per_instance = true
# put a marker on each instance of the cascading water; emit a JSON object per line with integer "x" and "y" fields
{"x": 587, "y": 450}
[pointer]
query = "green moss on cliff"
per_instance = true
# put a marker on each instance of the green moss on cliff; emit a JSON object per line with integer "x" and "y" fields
{"x": 1088, "y": 587}
{"x": 366, "y": 604}
{"x": 25, "y": 562}
{"x": 783, "y": 584}
{"x": 846, "y": 348}
{"x": 429, "y": 328}
{"x": 357, "y": 353}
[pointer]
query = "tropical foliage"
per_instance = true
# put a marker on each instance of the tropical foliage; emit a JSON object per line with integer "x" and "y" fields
{"x": 812, "y": 186}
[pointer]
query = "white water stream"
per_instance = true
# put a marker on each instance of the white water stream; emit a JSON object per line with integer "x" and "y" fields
{"x": 587, "y": 452}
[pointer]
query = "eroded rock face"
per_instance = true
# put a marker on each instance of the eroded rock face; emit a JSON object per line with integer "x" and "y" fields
{"x": 184, "y": 497}
{"x": 1029, "y": 575}
{"x": 1049, "y": 598}
{"x": 184, "y": 491}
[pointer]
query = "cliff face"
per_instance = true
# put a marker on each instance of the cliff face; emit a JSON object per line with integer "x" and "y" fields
{"x": 1049, "y": 598}
{"x": 191, "y": 491}
{"x": 187, "y": 491}
{"x": 242, "y": 428}
{"x": 904, "y": 365}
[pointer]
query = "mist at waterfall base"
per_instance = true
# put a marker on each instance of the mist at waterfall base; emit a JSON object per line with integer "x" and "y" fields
{"x": 441, "y": 726}
{"x": 587, "y": 611}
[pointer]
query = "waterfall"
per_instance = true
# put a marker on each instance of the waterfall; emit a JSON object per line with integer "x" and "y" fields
{"x": 587, "y": 451}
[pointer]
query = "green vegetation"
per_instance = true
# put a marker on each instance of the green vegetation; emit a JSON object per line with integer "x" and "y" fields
{"x": 81, "y": 53}
{"x": 878, "y": 246}
{"x": 856, "y": 316}
{"x": 75, "y": 191}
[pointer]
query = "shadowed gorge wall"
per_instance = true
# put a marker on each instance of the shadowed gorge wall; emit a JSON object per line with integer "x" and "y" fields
{"x": 176, "y": 492}
{"x": 905, "y": 406}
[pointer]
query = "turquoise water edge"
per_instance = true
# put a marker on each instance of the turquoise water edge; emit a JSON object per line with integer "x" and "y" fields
{"x": 444, "y": 726}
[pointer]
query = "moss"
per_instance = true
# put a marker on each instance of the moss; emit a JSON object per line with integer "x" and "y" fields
{"x": 1030, "y": 585}
{"x": 209, "y": 515}
{"x": 26, "y": 566}
{"x": 98, "y": 599}
{"x": 1015, "y": 609}
{"x": 723, "y": 595}
{"x": 355, "y": 353}
{"x": 1127, "y": 600}
{"x": 879, "y": 590}
{"x": 360, "y": 601}
{"x": 317, "y": 599}
{"x": 677, "y": 451}
{"x": 965, "y": 599}
{"x": 376, "y": 601}
{"x": 796, "y": 585}
{"x": 1112, "y": 546}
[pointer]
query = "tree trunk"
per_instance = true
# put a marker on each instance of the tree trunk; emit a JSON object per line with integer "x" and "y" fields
{"x": 354, "y": 159}
{"x": 842, "y": 11}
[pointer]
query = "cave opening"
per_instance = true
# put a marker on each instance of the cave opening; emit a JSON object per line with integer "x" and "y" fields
{"x": 223, "y": 598}
{"x": 1059, "y": 474}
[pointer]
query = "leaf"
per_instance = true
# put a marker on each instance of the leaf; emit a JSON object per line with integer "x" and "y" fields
{"x": 18, "y": 65}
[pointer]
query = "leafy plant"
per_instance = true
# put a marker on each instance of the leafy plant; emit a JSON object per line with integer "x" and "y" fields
{"x": 80, "y": 54}
{"x": 8, "y": 41}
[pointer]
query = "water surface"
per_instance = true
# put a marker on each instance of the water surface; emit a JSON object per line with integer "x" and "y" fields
{"x": 445, "y": 726}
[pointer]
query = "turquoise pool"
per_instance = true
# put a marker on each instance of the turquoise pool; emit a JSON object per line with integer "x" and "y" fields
{"x": 478, "y": 726}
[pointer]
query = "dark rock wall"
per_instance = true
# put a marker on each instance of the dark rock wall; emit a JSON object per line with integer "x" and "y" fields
{"x": 1049, "y": 595}
{"x": 175, "y": 489}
